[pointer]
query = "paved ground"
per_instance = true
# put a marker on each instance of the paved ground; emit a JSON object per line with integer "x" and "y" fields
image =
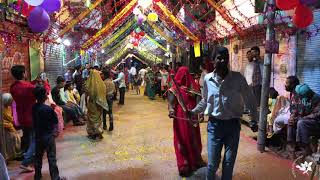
{"x": 141, "y": 147}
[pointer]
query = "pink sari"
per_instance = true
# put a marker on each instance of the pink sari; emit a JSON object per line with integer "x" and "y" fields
{"x": 187, "y": 138}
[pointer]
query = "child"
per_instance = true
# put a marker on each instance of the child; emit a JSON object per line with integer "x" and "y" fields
{"x": 68, "y": 89}
{"x": 10, "y": 134}
{"x": 137, "y": 83}
{"x": 44, "y": 122}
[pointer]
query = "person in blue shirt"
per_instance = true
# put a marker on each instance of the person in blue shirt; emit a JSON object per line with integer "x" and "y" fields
{"x": 224, "y": 92}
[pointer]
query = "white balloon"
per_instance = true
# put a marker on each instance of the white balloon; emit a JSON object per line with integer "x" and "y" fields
{"x": 34, "y": 2}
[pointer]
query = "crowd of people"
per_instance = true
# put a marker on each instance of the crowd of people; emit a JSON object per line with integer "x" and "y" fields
{"x": 85, "y": 96}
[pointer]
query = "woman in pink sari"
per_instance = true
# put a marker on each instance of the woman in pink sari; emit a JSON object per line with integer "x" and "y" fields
{"x": 187, "y": 139}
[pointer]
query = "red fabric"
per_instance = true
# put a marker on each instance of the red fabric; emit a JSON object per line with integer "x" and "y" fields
{"x": 187, "y": 138}
{"x": 22, "y": 93}
{"x": 46, "y": 85}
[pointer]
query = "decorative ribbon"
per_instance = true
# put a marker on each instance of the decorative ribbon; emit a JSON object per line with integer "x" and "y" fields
{"x": 156, "y": 43}
{"x": 176, "y": 22}
{"x": 110, "y": 24}
{"x": 120, "y": 32}
{"x": 197, "y": 51}
{"x": 168, "y": 38}
{"x": 79, "y": 18}
{"x": 222, "y": 11}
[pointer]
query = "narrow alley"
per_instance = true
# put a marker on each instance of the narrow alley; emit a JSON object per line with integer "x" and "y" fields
{"x": 141, "y": 147}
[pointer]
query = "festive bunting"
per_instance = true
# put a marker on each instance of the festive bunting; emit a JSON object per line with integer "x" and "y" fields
{"x": 177, "y": 22}
{"x": 120, "y": 32}
{"x": 79, "y": 18}
{"x": 196, "y": 49}
{"x": 156, "y": 43}
{"x": 110, "y": 23}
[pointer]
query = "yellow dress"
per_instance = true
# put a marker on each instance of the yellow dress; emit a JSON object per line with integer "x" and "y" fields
{"x": 96, "y": 90}
{"x": 11, "y": 136}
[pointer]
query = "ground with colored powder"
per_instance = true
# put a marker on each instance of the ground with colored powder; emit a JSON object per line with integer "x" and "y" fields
{"x": 141, "y": 147}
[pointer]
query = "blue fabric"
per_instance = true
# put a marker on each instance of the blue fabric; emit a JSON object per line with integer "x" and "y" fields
{"x": 28, "y": 156}
{"x": 302, "y": 89}
{"x": 222, "y": 133}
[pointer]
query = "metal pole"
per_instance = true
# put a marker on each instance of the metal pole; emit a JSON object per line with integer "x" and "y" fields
{"x": 270, "y": 35}
{"x": 2, "y": 140}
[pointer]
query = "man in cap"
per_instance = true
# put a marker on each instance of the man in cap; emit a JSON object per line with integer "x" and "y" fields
{"x": 307, "y": 121}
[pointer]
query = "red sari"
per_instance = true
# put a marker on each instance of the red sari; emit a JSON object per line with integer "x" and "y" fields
{"x": 187, "y": 138}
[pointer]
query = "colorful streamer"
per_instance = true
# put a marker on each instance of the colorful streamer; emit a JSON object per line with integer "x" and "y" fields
{"x": 120, "y": 32}
{"x": 79, "y": 18}
{"x": 177, "y": 22}
{"x": 156, "y": 43}
{"x": 163, "y": 34}
{"x": 110, "y": 23}
{"x": 197, "y": 52}
{"x": 223, "y": 12}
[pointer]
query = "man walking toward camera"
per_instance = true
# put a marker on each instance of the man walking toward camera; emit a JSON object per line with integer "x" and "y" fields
{"x": 223, "y": 94}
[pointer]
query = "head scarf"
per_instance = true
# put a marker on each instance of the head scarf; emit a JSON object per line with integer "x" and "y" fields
{"x": 6, "y": 99}
{"x": 96, "y": 88}
{"x": 183, "y": 78}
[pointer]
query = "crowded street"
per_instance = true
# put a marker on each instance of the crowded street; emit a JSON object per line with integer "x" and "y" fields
{"x": 141, "y": 148}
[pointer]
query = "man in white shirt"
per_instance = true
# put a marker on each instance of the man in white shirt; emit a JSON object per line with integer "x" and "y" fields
{"x": 223, "y": 94}
{"x": 253, "y": 72}
{"x": 122, "y": 85}
{"x": 132, "y": 74}
{"x": 142, "y": 74}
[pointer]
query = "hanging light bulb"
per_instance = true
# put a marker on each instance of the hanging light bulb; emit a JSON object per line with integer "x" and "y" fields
{"x": 102, "y": 51}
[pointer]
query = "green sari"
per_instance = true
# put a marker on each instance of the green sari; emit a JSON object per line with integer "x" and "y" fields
{"x": 150, "y": 85}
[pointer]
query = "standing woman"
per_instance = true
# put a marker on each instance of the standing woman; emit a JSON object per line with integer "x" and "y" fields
{"x": 150, "y": 84}
{"x": 187, "y": 139}
{"x": 96, "y": 91}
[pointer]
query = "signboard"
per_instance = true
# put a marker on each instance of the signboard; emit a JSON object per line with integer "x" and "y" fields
{"x": 17, "y": 53}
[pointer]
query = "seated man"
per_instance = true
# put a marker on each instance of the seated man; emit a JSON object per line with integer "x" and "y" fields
{"x": 307, "y": 121}
{"x": 69, "y": 108}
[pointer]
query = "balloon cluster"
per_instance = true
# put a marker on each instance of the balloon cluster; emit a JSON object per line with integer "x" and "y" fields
{"x": 37, "y": 12}
{"x": 303, "y": 15}
{"x": 136, "y": 36}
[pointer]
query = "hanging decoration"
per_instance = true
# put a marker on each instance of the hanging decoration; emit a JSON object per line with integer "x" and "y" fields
{"x": 156, "y": 43}
{"x": 197, "y": 51}
{"x": 38, "y": 20}
{"x": 51, "y": 6}
{"x": 177, "y": 23}
{"x": 287, "y": 4}
{"x": 302, "y": 17}
{"x": 141, "y": 19}
{"x": 120, "y": 32}
{"x": 76, "y": 20}
{"x": 110, "y": 24}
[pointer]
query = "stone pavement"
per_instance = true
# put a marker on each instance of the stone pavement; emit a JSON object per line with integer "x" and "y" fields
{"x": 141, "y": 147}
